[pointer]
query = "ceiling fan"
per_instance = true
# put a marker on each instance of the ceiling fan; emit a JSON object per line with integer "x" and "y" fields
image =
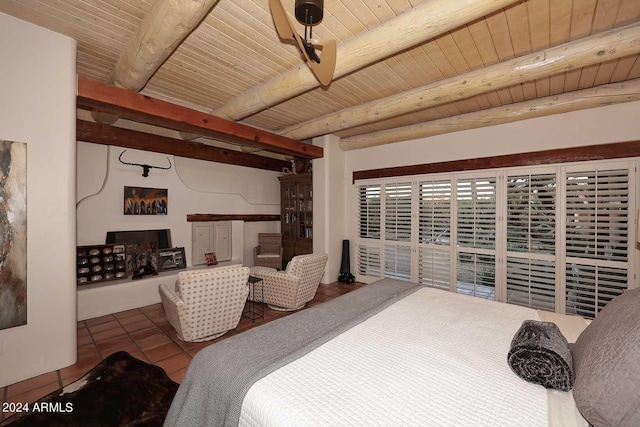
{"x": 308, "y": 13}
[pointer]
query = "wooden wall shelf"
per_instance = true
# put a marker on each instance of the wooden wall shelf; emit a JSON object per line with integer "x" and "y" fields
{"x": 233, "y": 217}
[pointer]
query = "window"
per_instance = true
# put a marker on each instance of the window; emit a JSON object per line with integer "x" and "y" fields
{"x": 597, "y": 243}
{"x": 548, "y": 237}
{"x": 434, "y": 233}
{"x": 397, "y": 212}
{"x": 476, "y": 236}
{"x": 531, "y": 239}
{"x": 384, "y": 221}
{"x": 476, "y": 220}
{"x": 435, "y": 212}
{"x": 531, "y": 282}
{"x": 369, "y": 261}
{"x": 369, "y": 213}
{"x": 531, "y": 213}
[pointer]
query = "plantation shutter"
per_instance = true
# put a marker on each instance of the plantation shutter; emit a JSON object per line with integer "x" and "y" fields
{"x": 598, "y": 214}
{"x": 531, "y": 282}
{"x": 531, "y": 213}
{"x": 434, "y": 233}
{"x": 589, "y": 288}
{"x": 369, "y": 261}
{"x": 434, "y": 223}
{"x": 397, "y": 230}
{"x": 597, "y": 238}
{"x": 369, "y": 211}
{"x": 434, "y": 267}
{"x": 531, "y": 239}
{"x": 554, "y": 237}
{"x": 397, "y": 261}
{"x": 476, "y": 274}
{"x": 476, "y": 220}
{"x": 476, "y": 236}
{"x": 397, "y": 218}
{"x": 369, "y": 216}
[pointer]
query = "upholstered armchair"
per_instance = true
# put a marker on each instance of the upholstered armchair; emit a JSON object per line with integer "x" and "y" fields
{"x": 206, "y": 303}
{"x": 291, "y": 289}
{"x": 268, "y": 253}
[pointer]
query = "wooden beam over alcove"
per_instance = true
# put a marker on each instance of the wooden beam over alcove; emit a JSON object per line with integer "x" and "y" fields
{"x": 233, "y": 217}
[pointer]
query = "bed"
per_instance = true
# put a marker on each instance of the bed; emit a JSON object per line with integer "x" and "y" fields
{"x": 394, "y": 353}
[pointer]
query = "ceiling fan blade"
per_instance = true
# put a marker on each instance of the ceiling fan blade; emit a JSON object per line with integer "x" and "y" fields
{"x": 284, "y": 27}
{"x": 324, "y": 70}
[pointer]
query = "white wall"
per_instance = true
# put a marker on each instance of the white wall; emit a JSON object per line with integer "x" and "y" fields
{"x": 615, "y": 123}
{"x": 194, "y": 186}
{"x": 37, "y": 106}
{"x": 329, "y": 212}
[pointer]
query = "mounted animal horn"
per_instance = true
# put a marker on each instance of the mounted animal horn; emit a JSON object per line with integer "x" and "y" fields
{"x": 145, "y": 168}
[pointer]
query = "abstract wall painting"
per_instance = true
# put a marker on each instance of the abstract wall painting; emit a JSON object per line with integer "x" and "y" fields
{"x": 145, "y": 201}
{"x": 13, "y": 234}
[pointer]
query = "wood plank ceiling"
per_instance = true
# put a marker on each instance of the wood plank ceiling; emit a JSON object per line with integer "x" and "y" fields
{"x": 526, "y": 58}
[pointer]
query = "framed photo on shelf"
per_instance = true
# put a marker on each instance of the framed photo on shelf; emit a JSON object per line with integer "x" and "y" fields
{"x": 211, "y": 258}
{"x": 141, "y": 259}
{"x": 171, "y": 259}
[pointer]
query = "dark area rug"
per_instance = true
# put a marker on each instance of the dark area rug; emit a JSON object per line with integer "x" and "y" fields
{"x": 120, "y": 391}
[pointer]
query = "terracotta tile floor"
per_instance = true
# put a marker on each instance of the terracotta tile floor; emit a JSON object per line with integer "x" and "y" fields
{"x": 144, "y": 333}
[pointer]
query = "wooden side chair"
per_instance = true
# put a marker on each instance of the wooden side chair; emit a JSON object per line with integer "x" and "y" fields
{"x": 268, "y": 253}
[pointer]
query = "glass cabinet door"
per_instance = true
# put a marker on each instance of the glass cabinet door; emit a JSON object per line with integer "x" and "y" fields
{"x": 305, "y": 207}
{"x": 290, "y": 217}
{"x": 296, "y": 215}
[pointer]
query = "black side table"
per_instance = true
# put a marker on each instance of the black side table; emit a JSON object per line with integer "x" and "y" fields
{"x": 251, "y": 311}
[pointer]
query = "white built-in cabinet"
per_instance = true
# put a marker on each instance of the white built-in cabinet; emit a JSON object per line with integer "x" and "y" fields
{"x": 211, "y": 236}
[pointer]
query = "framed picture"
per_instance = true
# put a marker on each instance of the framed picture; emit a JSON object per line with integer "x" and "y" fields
{"x": 211, "y": 258}
{"x": 13, "y": 234}
{"x": 141, "y": 259}
{"x": 145, "y": 201}
{"x": 171, "y": 259}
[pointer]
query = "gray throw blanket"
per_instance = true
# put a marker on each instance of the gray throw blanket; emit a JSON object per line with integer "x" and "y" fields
{"x": 220, "y": 375}
{"x": 540, "y": 354}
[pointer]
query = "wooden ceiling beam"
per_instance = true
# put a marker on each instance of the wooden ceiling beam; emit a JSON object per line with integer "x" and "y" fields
{"x": 98, "y": 133}
{"x": 409, "y": 29}
{"x": 96, "y": 96}
{"x": 599, "y": 48}
{"x": 599, "y": 96}
{"x": 159, "y": 34}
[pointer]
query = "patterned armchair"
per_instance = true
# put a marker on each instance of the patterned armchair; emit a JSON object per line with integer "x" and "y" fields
{"x": 206, "y": 303}
{"x": 291, "y": 289}
{"x": 268, "y": 253}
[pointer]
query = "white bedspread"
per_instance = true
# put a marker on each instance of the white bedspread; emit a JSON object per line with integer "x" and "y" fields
{"x": 432, "y": 359}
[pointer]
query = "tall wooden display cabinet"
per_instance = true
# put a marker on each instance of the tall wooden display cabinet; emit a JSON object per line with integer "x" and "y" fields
{"x": 296, "y": 192}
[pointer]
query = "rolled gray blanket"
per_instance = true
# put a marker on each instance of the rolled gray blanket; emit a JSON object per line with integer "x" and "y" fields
{"x": 540, "y": 354}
